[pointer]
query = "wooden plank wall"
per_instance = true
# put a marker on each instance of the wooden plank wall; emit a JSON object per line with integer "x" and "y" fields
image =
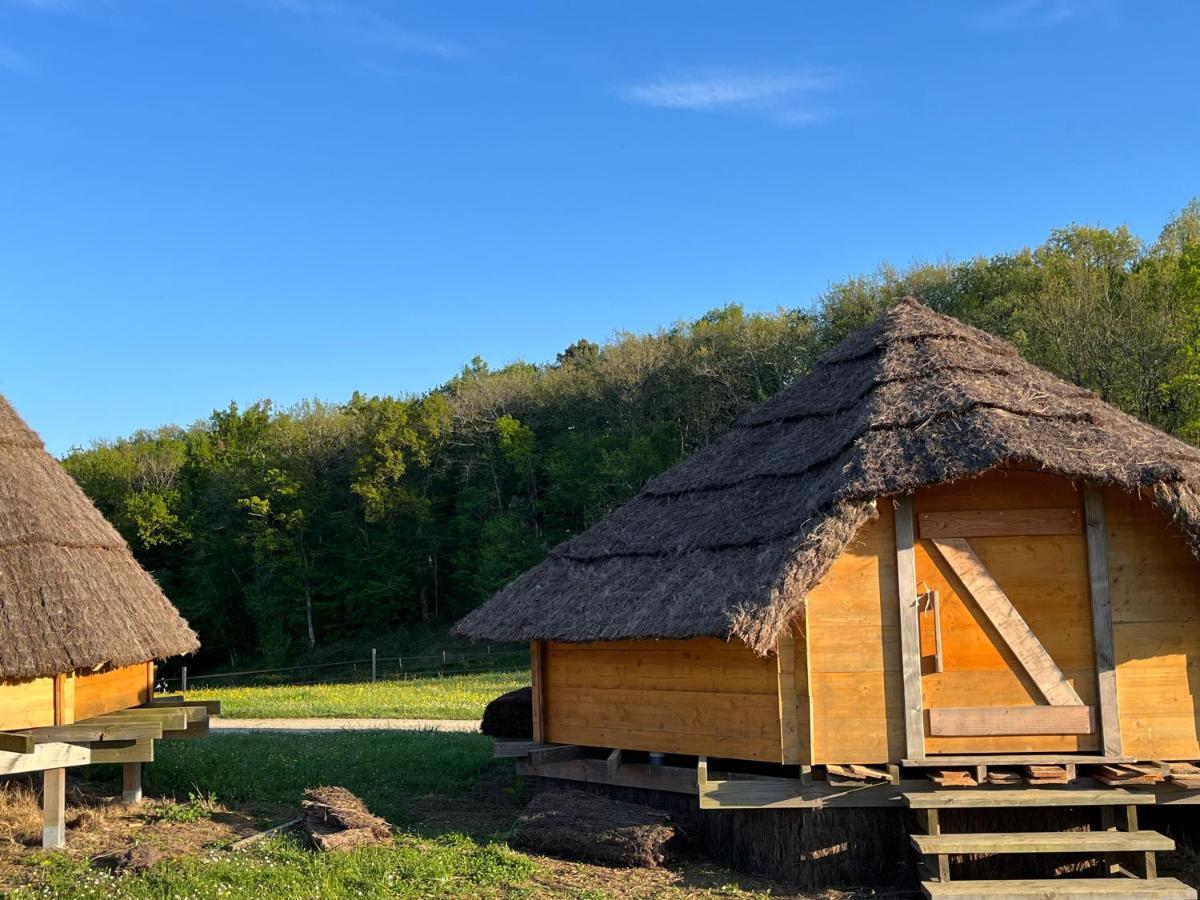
{"x": 702, "y": 697}
{"x": 1154, "y": 583}
{"x": 35, "y": 702}
{"x": 852, "y": 634}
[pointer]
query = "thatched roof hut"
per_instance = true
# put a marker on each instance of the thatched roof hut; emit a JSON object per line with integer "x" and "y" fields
{"x": 71, "y": 594}
{"x": 926, "y": 546}
{"x": 728, "y": 543}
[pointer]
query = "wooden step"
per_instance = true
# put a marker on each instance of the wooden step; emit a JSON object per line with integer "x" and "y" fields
{"x": 1047, "y": 888}
{"x": 1044, "y": 842}
{"x": 1000, "y": 797}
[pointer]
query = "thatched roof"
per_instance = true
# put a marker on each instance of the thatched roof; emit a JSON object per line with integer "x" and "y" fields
{"x": 71, "y": 594}
{"x": 728, "y": 543}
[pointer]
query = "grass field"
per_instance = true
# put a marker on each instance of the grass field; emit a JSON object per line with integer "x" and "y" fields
{"x": 446, "y": 697}
{"x": 450, "y": 800}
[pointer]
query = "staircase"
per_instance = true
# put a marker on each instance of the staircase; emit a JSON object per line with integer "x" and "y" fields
{"x": 1118, "y": 845}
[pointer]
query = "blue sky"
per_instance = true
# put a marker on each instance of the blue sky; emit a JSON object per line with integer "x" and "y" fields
{"x": 224, "y": 200}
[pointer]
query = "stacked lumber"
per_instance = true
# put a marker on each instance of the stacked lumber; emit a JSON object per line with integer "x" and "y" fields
{"x": 1183, "y": 774}
{"x": 951, "y": 777}
{"x": 1040, "y": 774}
{"x": 1128, "y": 773}
{"x": 996, "y": 776}
{"x": 855, "y": 774}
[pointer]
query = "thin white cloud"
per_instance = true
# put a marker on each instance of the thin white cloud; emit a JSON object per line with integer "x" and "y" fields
{"x": 365, "y": 25}
{"x": 791, "y": 97}
{"x": 1036, "y": 13}
{"x": 13, "y": 61}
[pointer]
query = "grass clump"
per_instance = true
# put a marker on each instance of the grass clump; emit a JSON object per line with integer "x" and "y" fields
{"x": 451, "y": 866}
{"x": 434, "y": 697}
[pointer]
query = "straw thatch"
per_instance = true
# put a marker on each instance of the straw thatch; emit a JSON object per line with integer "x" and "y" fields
{"x": 728, "y": 543}
{"x": 71, "y": 594}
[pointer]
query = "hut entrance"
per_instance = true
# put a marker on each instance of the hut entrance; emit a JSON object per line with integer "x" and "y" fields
{"x": 1007, "y": 654}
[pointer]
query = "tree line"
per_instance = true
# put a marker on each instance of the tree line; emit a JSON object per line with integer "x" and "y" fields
{"x": 277, "y": 531}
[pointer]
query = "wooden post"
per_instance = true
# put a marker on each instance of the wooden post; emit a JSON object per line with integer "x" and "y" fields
{"x": 183, "y": 678}
{"x": 131, "y": 783}
{"x": 789, "y": 705}
{"x": 54, "y": 809}
{"x": 374, "y": 660}
{"x": 1102, "y": 628}
{"x": 536, "y": 676}
{"x": 910, "y": 635}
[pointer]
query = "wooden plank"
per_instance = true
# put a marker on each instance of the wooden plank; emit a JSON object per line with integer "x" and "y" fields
{"x": 968, "y": 523}
{"x": 169, "y": 717}
{"x": 1024, "y": 889}
{"x": 676, "y": 779}
{"x": 131, "y": 783}
{"x": 1014, "y": 759}
{"x": 995, "y": 604}
{"x": 989, "y": 720}
{"x": 1102, "y": 625}
{"x": 558, "y": 753}
{"x": 538, "y": 677}
{"x": 54, "y": 809}
{"x": 723, "y": 791}
{"x": 910, "y": 634}
{"x": 789, "y": 703}
{"x": 80, "y": 732}
{"x": 27, "y": 703}
{"x": 1065, "y": 795}
{"x": 503, "y": 748}
{"x": 213, "y": 707}
{"x": 1043, "y": 842}
{"x": 44, "y": 756}
{"x": 16, "y": 743}
{"x": 110, "y": 689}
{"x": 121, "y": 752}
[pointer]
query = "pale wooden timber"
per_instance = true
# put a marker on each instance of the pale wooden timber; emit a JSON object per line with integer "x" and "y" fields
{"x": 193, "y": 730}
{"x": 54, "y": 809}
{"x": 789, "y": 703}
{"x": 989, "y": 720}
{"x": 502, "y": 748}
{"x": 613, "y": 763}
{"x": 910, "y": 633}
{"x": 16, "y": 742}
{"x": 968, "y": 523}
{"x": 1102, "y": 625}
{"x": 131, "y": 783}
{"x": 121, "y": 752}
{"x": 538, "y": 679}
{"x": 557, "y": 753}
{"x": 169, "y": 717}
{"x": 675, "y": 779}
{"x": 95, "y": 731}
{"x": 1044, "y": 888}
{"x": 1004, "y": 617}
{"x": 44, "y": 756}
{"x": 1015, "y": 759}
{"x": 212, "y": 706}
{"x": 1002, "y": 796}
{"x": 729, "y": 791}
{"x": 936, "y": 602}
{"x": 1044, "y": 842}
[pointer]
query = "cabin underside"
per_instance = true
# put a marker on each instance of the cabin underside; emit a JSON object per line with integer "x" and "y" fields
{"x": 1012, "y": 619}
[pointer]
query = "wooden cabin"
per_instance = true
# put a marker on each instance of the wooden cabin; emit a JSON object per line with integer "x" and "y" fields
{"x": 926, "y": 558}
{"x": 81, "y": 624}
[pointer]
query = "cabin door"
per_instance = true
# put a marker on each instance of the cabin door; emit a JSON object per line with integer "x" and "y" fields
{"x": 1007, "y": 657}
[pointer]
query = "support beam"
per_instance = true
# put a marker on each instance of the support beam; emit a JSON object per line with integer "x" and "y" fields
{"x": 54, "y": 809}
{"x": 910, "y": 634}
{"x": 789, "y": 704}
{"x": 131, "y": 783}
{"x": 1013, "y": 630}
{"x": 539, "y": 685}
{"x": 1102, "y": 627}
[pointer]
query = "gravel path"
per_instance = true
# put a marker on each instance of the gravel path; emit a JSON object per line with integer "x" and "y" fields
{"x": 221, "y": 725}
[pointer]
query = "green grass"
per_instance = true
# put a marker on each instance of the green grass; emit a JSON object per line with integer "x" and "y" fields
{"x": 444, "y": 697}
{"x": 388, "y": 770}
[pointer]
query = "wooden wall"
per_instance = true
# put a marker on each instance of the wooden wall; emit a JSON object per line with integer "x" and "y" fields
{"x": 1155, "y": 587}
{"x": 704, "y": 697}
{"x": 38, "y": 702}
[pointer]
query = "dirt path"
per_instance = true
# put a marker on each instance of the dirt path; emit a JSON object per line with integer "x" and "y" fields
{"x": 221, "y": 725}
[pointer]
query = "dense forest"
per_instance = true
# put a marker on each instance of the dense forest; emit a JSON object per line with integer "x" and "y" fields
{"x": 277, "y": 531}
